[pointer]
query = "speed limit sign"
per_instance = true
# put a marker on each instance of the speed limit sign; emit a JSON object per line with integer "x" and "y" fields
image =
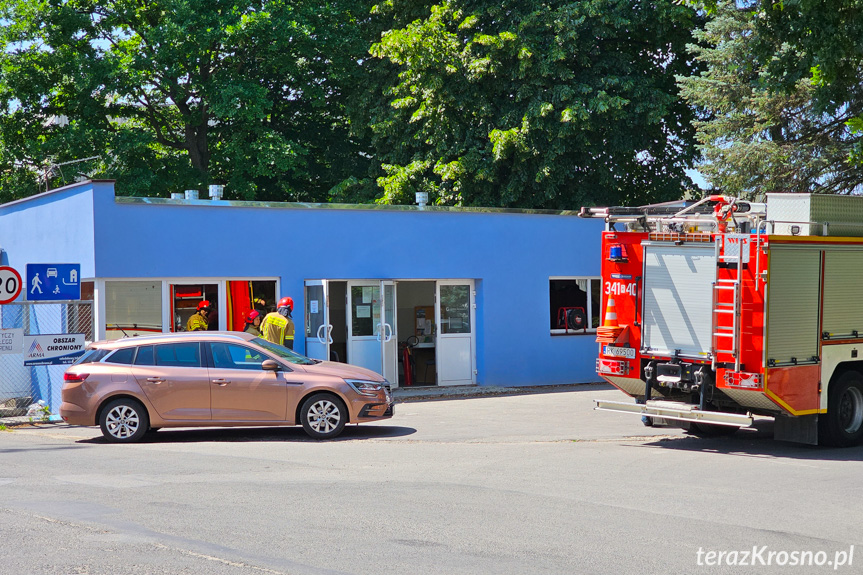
{"x": 10, "y": 284}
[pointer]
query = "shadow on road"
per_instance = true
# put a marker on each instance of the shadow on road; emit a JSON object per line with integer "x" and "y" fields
{"x": 248, "y": 434}
{"x": 758, "y": 442}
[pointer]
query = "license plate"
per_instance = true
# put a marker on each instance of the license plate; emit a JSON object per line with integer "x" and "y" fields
{"x": 611, "y": 351}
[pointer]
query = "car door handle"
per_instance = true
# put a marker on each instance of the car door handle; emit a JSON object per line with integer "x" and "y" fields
{"x": 156, "y": 380}
{"x": 221, "y": 381}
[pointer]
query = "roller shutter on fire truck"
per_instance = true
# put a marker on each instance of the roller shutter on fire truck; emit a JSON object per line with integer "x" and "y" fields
{"x": 843, "y": 307}
{"x": 793, "y": 298}
{"x": 678, "y": 293}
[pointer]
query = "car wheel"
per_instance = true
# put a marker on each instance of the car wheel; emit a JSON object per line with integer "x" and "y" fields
{"x": 323, "y": 416}
{"x": 842, "y": 425}
{"x": 124, "y": 421}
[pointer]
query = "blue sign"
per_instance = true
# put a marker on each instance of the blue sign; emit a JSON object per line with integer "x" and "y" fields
{"x": 53, "y": 282}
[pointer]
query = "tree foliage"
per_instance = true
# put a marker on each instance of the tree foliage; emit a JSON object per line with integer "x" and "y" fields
{"x": 537, "y": 104}
{"x": 819, "y": 43}
{"x": 755, "y": 138}
{"x": 520, "y": 104}
{"x": 828, "y": 38}
{"x": 182, "y": 93}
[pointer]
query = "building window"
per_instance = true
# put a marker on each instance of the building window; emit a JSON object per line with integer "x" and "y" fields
{"x": 132, "y": 308}
{"x": 575, "y": 305}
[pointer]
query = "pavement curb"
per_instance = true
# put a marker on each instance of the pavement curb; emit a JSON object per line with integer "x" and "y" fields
{"x": 435, "y": 393}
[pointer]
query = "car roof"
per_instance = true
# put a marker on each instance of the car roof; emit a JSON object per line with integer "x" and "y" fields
{"x": 224, "y": 336}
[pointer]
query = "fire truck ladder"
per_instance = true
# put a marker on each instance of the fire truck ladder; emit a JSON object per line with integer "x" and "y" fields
{"x": 726, "y": 338}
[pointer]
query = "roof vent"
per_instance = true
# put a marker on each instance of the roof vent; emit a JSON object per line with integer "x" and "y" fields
{"x": 177, "y": 195}
{"x": 216, "y": 191}
{"x": 191, "y": 194}
{"x": 422, "y": 199}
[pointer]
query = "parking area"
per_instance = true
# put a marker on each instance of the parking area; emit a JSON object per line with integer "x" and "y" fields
{"x": 534, "y": 483}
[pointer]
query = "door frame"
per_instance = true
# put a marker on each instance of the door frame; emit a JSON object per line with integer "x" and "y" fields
{"x": 439, "y": 356}
{"x": 391, "y": 338}
{"x": 318, "y": 337}
{"x": 353, "y": 342}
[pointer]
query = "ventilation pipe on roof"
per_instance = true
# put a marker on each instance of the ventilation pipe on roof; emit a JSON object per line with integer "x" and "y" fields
{"x": 191, "y": 194}
{"x": 177, "y": 195}
{"x": 216, "y": 191}
{"x": 422, "y": 199}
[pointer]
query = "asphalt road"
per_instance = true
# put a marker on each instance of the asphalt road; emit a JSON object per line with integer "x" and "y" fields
{"x": 525, "y": 484}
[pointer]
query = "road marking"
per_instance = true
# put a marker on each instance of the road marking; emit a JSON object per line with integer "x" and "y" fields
{"x": 220, "y": 560}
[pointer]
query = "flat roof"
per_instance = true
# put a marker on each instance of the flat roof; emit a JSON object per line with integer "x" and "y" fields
{"x": 333, "y": 206}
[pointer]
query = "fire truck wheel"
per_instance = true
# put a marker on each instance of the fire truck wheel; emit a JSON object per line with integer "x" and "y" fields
{"x": 711, "y": 430}
{"x": 842, "y": 425}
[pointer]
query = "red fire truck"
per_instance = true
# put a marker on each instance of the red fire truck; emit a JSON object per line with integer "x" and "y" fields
{"x": 725, "y": 309}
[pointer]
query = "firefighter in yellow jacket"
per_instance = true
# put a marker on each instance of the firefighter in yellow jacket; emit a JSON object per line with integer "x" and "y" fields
{"x": 200, "y": 319}
{"x": 278, "y": 327}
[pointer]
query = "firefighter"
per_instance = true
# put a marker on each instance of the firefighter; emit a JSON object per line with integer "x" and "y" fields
{"x": 198, "y": 321}
{"x": 278, "y": 327}
{"x": 253, "y": 322}
{"x": 260, "y": 305}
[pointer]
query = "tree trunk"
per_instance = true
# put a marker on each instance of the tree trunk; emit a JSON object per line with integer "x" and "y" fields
{"x": 199, "y": 153}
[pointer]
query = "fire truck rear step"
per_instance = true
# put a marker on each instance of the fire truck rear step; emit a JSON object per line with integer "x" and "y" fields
{"x": 675, "y": 410}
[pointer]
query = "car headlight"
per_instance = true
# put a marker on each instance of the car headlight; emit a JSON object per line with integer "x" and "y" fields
{"x": 365, "y": 387}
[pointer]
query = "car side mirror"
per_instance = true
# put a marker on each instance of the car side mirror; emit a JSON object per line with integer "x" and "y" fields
{"x": 271, "y": 365}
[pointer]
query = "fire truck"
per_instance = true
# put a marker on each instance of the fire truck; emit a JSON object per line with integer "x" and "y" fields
{"x": 724, "y": 309}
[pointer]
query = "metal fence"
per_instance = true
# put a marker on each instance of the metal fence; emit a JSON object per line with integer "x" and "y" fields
{"x": 22, "y": 386}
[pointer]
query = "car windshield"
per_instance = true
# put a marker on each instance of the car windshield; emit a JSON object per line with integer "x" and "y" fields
{"x": 287, "y": 354}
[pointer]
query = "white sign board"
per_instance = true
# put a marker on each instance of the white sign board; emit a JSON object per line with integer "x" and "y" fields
{"x": 53, "y": 349}
{"x": 11, "y": 340}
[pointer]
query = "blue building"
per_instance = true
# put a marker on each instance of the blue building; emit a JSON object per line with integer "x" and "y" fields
{"x": 484, "y": 292}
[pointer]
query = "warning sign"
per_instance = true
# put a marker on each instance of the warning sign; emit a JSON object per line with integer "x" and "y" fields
{"x": 54, "y": 349}
{"x": 11, "y": 340}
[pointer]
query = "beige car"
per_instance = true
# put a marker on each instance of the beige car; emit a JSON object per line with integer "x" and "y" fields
{"x": 133, "y": 385}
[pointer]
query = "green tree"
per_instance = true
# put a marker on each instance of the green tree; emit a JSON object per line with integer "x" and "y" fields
{"x": 755, "y": 139}
{"x": 537, "y": 104}
{"x": 819, "y": 42}
{"x": 828, "y": 40}
{"x": 173, "y": 94}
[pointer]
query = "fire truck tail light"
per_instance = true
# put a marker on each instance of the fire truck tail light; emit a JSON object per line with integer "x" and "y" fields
{"x": 611, "y": 366}
{"x": 742, "y": 380}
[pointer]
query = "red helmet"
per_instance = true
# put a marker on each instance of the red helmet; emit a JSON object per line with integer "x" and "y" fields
{"x": 250, "y": 317}
{"x": 286, "y": 302}
{"x": 203, "y": 304}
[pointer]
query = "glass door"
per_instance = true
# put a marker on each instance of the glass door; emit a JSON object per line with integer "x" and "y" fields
{"x": 389, "y": 343}
{"x": 455, "y": 318}
{"x": 318, "y": 327}
{"x": 364, "y": 324}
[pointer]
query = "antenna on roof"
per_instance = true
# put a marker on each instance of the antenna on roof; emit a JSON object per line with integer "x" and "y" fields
{"x": 49, "y": 171}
